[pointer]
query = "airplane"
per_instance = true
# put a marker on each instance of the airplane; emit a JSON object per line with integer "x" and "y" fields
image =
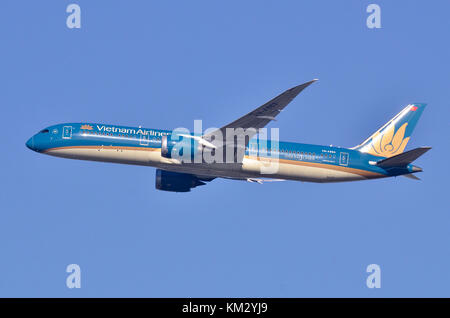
{"x": 379, "y": 156}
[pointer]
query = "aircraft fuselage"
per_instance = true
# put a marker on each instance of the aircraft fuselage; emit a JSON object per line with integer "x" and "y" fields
{"x": 142, "y": 146}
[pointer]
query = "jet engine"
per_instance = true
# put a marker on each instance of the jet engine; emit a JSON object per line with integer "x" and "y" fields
{"x": 181, "y": 147}
{"x": 177, "y": 182}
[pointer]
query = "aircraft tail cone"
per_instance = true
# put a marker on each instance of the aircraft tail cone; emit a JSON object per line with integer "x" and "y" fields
{"x": 416, "y": 169}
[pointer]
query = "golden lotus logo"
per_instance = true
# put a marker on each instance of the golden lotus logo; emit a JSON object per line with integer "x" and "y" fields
{"x": 388, "y": 144}
{"x": 87, "y": 127}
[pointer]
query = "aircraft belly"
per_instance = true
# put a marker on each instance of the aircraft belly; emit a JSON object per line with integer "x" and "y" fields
{"x": 108, "y": 154}
{"x": 297, "y": 171}
{"x": 250, "y": 168}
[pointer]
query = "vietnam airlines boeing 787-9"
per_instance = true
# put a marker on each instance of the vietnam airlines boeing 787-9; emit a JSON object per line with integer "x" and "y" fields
{"x": 186, "y": 160}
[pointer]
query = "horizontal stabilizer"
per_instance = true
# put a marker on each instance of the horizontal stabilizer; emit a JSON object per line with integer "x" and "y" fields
{"x": 403, "y": 159}
{"x": 411, "y": 176}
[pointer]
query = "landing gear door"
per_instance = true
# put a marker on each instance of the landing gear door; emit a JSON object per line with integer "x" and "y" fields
{"x": 343, "y": 159}
{"x": 67, "y": 132}
{"x": 144, "y": 139}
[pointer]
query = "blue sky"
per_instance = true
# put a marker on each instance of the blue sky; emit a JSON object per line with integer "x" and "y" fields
{"x": 162, "y": 64}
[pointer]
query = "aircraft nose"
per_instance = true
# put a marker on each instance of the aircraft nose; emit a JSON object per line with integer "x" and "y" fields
{"x": 30, "y": 143}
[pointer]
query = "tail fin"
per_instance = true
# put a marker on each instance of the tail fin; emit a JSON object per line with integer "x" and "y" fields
{"x": 391, "y": 139}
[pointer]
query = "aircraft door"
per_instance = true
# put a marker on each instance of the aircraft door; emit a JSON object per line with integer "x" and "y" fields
{"x": 67, "y": 132}
{"x": 343, "y": 159}
{"x": 144, "y": 139}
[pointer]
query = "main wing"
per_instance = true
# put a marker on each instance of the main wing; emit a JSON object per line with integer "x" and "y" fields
{"x": 264, "y": 114}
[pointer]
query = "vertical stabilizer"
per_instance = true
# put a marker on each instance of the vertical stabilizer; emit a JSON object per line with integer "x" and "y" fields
{"x": 392, "y": 138}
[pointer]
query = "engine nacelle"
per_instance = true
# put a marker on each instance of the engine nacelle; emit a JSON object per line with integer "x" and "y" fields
{"x": 176, "y": 182}
{"x": 180, "y": 147}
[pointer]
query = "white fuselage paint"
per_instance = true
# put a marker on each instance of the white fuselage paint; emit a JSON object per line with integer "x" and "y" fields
{"x": 250, "y": 168}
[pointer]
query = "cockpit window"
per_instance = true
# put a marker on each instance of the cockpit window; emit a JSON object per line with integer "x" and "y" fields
{"x": 44, "y": 131}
